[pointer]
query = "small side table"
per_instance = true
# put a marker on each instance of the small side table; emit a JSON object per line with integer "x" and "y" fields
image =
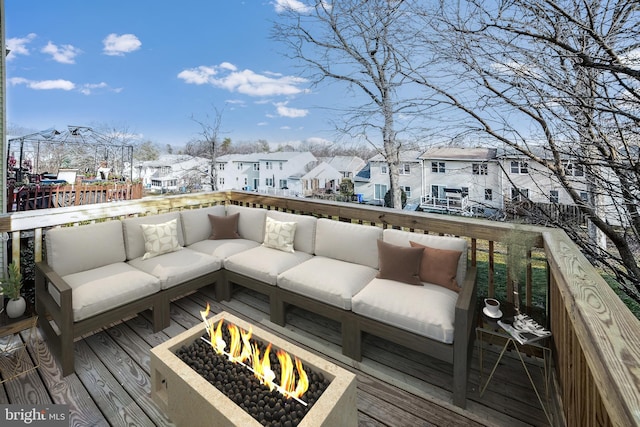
{"x": 493, "y": 333}
{"x": 13, "y": 350}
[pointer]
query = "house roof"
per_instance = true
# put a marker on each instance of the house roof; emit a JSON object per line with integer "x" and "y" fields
{"x": 344, "y": 163}
{"x": 364, "y": 175}
{"x": 459, "y": 153}
{"x": 405, "y": 156}
{"x": 323, "y": 170}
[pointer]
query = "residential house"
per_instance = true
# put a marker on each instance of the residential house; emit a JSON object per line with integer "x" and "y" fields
{"x": 273, "y": 173}
{"x": 173, "y": 172}
{"x": 327, "y": 175}
{"x": 373, "y": 188}
{"x": 460, "y": 180}
{"x": 323, "y": 178}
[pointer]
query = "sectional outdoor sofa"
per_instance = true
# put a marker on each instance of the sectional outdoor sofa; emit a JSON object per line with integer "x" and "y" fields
{"x": 410, "y": 288}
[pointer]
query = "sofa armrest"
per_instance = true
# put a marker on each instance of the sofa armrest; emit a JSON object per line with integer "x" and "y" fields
{"x": 466, "y": 306}
{"x": 464, "y": 326}
{"x": 61, "y": 312}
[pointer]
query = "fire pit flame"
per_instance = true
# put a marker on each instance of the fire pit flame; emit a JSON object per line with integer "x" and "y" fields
{"x": 241, "y": 351}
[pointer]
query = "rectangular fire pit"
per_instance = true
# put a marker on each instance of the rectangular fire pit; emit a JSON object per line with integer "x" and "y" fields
{"x": 190, "y": 400}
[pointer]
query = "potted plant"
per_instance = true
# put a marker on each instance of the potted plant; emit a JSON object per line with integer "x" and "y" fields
{"x": 11, "y": 286}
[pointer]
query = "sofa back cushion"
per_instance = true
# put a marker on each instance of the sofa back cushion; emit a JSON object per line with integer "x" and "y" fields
{"x": 402, "y": 238}
{"x": 348, "y": 242}
{"x": 196, "y": 225}
{"x": 250, "y": 223}
{"x": 133, "y": 238}
{"x": 305, "y": 234}
{"x": 75, "y": 249}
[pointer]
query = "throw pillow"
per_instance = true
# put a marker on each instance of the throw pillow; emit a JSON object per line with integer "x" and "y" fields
{"x": 439, "y": 266}
{"x": 224, "y": 227}
{"x": 279, "y": 235}
{"x": 160, "y": 238}
{"x": 400, "y": 263}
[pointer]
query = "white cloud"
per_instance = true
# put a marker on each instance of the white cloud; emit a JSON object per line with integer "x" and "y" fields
{"x": 284, "y": 111}
{"x": 198, "y": 76}
{"x": 64, "y": 54}
{"x": 43, "y": 84}
{"x": 118, "y": 45}
{"x": 291, "y": 5}
{"x": 263, "y": 123}
{"x": 227, "y": 76}
{"x": 285, "y": 127}
{"x": 89, "y": 88}
{"x": 18, "y": 45}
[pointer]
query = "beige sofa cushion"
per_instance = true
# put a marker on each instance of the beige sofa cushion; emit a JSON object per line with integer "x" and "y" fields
{"x": 133, "y": 239}
{"x": 177, "y": 267}
{"x": 104, "y": 288}
{"x": 427, "y": 310}
{"x": 305, "y": 235}
{"x": 196, "y": 225}
{"x": 223, "y": 249}
{"x": 74, "y": 249}
{"x": 264, "y": 264}
{"x": 348, "y": 242}
{"x": 250, "y": 223}
{"x": 328, "y": 280}
{"x": 402, "y": 238}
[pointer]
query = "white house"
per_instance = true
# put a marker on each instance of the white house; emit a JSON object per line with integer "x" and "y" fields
{"x": 524, "y": 179}
{"x": 173, "y": 172}
{"x": 373, "y": 187}
{"x": 322, "y": 178}
{"x": 264, "y": 172}
{"x": 460, "y": 180}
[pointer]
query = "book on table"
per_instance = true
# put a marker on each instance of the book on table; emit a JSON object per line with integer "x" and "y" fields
{"x": 524, "y": 329}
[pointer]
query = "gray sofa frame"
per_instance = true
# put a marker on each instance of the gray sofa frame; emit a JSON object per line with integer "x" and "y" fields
{"x": 353, "y": 325}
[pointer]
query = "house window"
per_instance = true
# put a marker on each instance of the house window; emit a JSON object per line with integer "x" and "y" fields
{"x": 283, "y": 183}
{"x": 479, "y": 168}
{"x": 519, "y": 194}
{"x": 383, "y": 169}
{"x": 268, "y": 182}
{"x": 379, "y": 191}
{"x": 281, "y": 165}
{"x": 221, "y": 166}
{"x": 584, "y": 196}
{"x": 246, "y": 181}
{"x": 405, "y": 169}
{"x": 268, "y": 165}
{"x": 519, "y": 167}
{"x": 438, "y": 167}
{"x": 464, "y": 191}
{"x": 571, "y": 169}
{"x": 554, "y": 196}
{"x": 256, "y": 166}
{"x": 488, "y": 194}
{"x": 221, "y": 181}
{"x": 407, "y": 191}
{"x": 239, "y": 166}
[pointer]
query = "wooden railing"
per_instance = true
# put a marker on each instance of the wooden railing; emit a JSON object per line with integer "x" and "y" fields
{"x": 596, "y": 338}
{"x": 35, "y": 196}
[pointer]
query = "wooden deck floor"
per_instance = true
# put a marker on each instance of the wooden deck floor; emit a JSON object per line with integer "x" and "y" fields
{"x": 396, "y": 386}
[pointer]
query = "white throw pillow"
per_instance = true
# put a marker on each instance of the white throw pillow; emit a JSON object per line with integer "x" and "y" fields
{"x": 279, "y": 235}
{"x": 160, "y": 238}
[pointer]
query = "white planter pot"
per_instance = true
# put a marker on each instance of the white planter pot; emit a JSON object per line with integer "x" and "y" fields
{"x": 16, "y": 307}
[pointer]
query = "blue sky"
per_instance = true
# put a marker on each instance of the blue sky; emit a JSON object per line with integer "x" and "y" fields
{"x": 150, "y": 66}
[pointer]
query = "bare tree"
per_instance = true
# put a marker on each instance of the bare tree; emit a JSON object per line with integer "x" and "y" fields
{"x": 562, "y": 74}
{"x": 361, "y": 44}
{"x": 208, "y": 145}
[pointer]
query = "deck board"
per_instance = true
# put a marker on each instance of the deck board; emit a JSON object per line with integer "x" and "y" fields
{"x": 396, "y": 386}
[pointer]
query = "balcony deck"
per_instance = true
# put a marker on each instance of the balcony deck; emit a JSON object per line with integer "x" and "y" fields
{"x": 396, "y": 387}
